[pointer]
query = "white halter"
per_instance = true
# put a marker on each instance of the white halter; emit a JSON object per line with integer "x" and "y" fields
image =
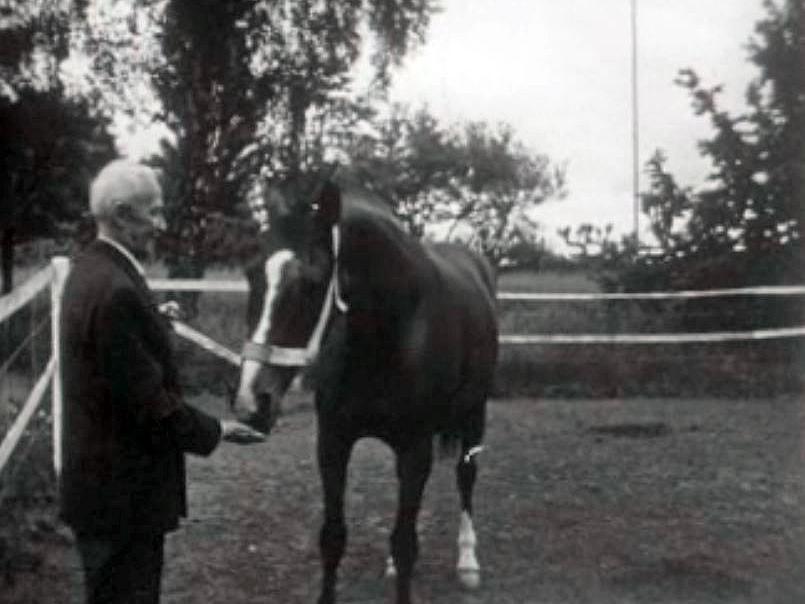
{"x": 287, "y": 356}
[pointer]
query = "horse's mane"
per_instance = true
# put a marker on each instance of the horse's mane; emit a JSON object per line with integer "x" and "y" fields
{"x": 358, "y": 197}
{"x": 362, "y": 206}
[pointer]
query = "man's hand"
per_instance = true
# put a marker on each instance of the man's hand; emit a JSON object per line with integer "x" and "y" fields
{"x": 235, "y": 432}
{"x": 171, "y": 310}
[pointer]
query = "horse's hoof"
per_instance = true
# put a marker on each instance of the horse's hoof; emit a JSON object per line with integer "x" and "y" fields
{"x": 326, "y": 598}
{"x": 391, "y": 570}
{"x": 470, "y": 578}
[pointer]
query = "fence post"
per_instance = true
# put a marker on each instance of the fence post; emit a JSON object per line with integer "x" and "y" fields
{"x": 61, "y": 266}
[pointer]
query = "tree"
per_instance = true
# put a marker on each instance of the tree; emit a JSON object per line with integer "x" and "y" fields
{"x": 52, "y": 143}
{"x": 53, "y": 146}
{"x": 590, "y": 240}
{"x": 34, "y": 41}
{"x": 477, "y": 181}
{"x": 409, "y": 159}
{"x": 504, "y": 180}
{"x": 249, "y": 86}
{"x": 746, "y": 225}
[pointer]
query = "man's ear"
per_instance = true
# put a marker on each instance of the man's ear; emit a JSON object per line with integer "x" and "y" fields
{"x": 120, "y": 213}
{"x": 327, "y": 207}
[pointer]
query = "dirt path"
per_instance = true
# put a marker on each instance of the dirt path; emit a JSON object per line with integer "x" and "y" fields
{"x": 578, "y": 501}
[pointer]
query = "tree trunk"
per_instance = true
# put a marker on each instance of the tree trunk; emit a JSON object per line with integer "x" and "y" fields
{"x": 7, "y": 260}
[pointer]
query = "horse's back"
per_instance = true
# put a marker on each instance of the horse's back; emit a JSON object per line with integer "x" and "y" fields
{"x": 465, "y": 270}
{"x": 463, "y": 302}
{"x": 465, "y": 287}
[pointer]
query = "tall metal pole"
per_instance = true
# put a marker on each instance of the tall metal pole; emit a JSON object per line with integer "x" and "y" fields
{"x": 635, "y": 130}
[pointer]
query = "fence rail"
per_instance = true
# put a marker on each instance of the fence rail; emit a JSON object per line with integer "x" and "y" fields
{"x": 240, "y": 286}
{"x": 767, "y": 290}
{"x": 12, "y": 437}
{"x": 51, "y": 276}
{"x": 11, "y": 303}
{"x": 199, "y": 285}
{"x": 654, "y": 338}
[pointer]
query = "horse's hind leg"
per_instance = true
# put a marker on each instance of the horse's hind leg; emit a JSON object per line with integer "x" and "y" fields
{"x": 469, "y": 570}
{"x": 333, "y": 455}
{"x": 413, "y": 469}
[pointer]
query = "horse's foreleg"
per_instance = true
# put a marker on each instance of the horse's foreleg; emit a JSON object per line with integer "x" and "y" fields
{"x": 413, "y": 468}
{"x": 469, "y": 570}
{"x": 333, "y": 456}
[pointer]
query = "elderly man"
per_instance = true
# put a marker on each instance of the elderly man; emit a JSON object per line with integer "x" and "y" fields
{"x": 126, "y": 427}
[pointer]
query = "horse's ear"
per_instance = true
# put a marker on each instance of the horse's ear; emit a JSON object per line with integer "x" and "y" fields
{"x": 327, "y": 207}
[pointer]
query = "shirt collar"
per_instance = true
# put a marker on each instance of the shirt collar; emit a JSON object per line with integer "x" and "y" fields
{"x": 127, "y": 254}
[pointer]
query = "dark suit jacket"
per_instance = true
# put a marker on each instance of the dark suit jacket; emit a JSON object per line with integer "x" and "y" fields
{"x": 126, "y": 427}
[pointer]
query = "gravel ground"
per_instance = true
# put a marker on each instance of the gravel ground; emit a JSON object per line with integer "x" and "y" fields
{"x": 607, "y": 501}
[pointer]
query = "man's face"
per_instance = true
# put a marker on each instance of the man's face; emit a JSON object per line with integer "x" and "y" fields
{"x": 139, "y": 220}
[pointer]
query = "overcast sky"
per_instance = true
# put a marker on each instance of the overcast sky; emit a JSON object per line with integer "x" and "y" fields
{"x": 560, "y": 73}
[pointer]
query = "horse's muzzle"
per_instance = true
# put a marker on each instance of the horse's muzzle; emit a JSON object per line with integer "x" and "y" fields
{"x": 265, "y": 417}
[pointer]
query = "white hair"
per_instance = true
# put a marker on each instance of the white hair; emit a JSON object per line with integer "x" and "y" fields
{"x": 122, "y": 180}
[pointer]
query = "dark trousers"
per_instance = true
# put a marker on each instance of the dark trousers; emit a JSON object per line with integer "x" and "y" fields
{"x": 122, "y": 569}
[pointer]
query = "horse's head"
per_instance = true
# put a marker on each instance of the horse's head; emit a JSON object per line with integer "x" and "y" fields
{"x": 296, "y": 283}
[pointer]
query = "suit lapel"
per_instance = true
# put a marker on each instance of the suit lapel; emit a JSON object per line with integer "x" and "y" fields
{"x": 125, "y": 265}
{"x": 157, "y": 328}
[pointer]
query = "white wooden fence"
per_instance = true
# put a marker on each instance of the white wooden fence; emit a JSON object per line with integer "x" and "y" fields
{"x": 53, "y": 276}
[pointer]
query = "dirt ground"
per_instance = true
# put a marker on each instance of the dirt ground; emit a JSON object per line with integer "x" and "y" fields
{"x": 655, "y": 501}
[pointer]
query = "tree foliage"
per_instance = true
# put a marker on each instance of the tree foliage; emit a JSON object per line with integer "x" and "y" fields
{"x": 52, "y": 142}
{"x": 249, "y": 88}
{"x": 409, "y": 159}
{"x": 53, "y": 146}
{"x": 34, "y": 41}
{"x": 503, "y": 181}
{"x": 746, "y": 224}
{"x": 476, "y": 181}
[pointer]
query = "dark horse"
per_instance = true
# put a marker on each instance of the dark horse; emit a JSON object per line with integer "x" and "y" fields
{"x": 402, "y": 337}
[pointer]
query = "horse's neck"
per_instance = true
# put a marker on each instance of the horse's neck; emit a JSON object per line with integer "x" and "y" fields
{"x": 384, "y": 264}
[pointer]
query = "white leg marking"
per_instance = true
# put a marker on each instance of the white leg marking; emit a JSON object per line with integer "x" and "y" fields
{"x": 391, "y": 570}
{"x": 469, "y": 571}
{"x": 472, "y": 453}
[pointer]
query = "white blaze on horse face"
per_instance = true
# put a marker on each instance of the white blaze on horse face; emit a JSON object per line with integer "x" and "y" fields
{"x": 274, "y": 269}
